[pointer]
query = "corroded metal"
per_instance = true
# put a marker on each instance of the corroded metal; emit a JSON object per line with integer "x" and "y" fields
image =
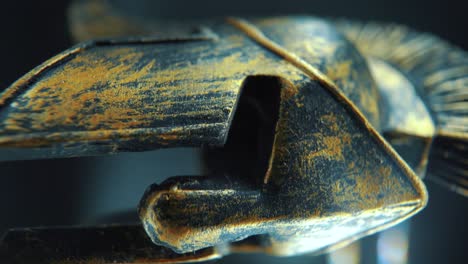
{"x": 299, "y": 118}
{"x": 100, "y": 244}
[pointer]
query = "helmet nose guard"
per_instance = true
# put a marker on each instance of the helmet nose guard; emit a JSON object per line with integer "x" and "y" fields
{"x": 328, "y": 180}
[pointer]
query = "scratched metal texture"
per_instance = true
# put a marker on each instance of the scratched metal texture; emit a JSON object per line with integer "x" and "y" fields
{"x": 99, "y": 244}
{"x": 331, "y": 177}
{"x": 131, "y": 95}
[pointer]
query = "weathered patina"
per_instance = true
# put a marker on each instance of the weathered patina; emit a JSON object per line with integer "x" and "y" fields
{"x": 299, "y": 117}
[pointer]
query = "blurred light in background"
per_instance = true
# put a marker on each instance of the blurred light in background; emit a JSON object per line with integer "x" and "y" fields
{"x": 351, "y": 254}
{"x": 393, "y": 244}
{"x": 82, "y": 190}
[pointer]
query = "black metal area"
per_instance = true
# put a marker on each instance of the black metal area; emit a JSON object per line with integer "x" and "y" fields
{"x": 248, "y": 148}
{"x": 100, "y": 244}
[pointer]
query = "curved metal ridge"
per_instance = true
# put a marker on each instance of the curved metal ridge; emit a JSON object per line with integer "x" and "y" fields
{"x": 254, "y": 33}
{"x": 17, "y": 87}
{"x": 316, "y": 174}
{"x": 438, "y": 71}
{"x": 20, "y": 84}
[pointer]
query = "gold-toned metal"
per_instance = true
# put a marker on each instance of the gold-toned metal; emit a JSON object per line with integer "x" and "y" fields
{"x": 347, "y": 117}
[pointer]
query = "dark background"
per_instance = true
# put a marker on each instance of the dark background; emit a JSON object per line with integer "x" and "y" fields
{"x": 88, "y": 190}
